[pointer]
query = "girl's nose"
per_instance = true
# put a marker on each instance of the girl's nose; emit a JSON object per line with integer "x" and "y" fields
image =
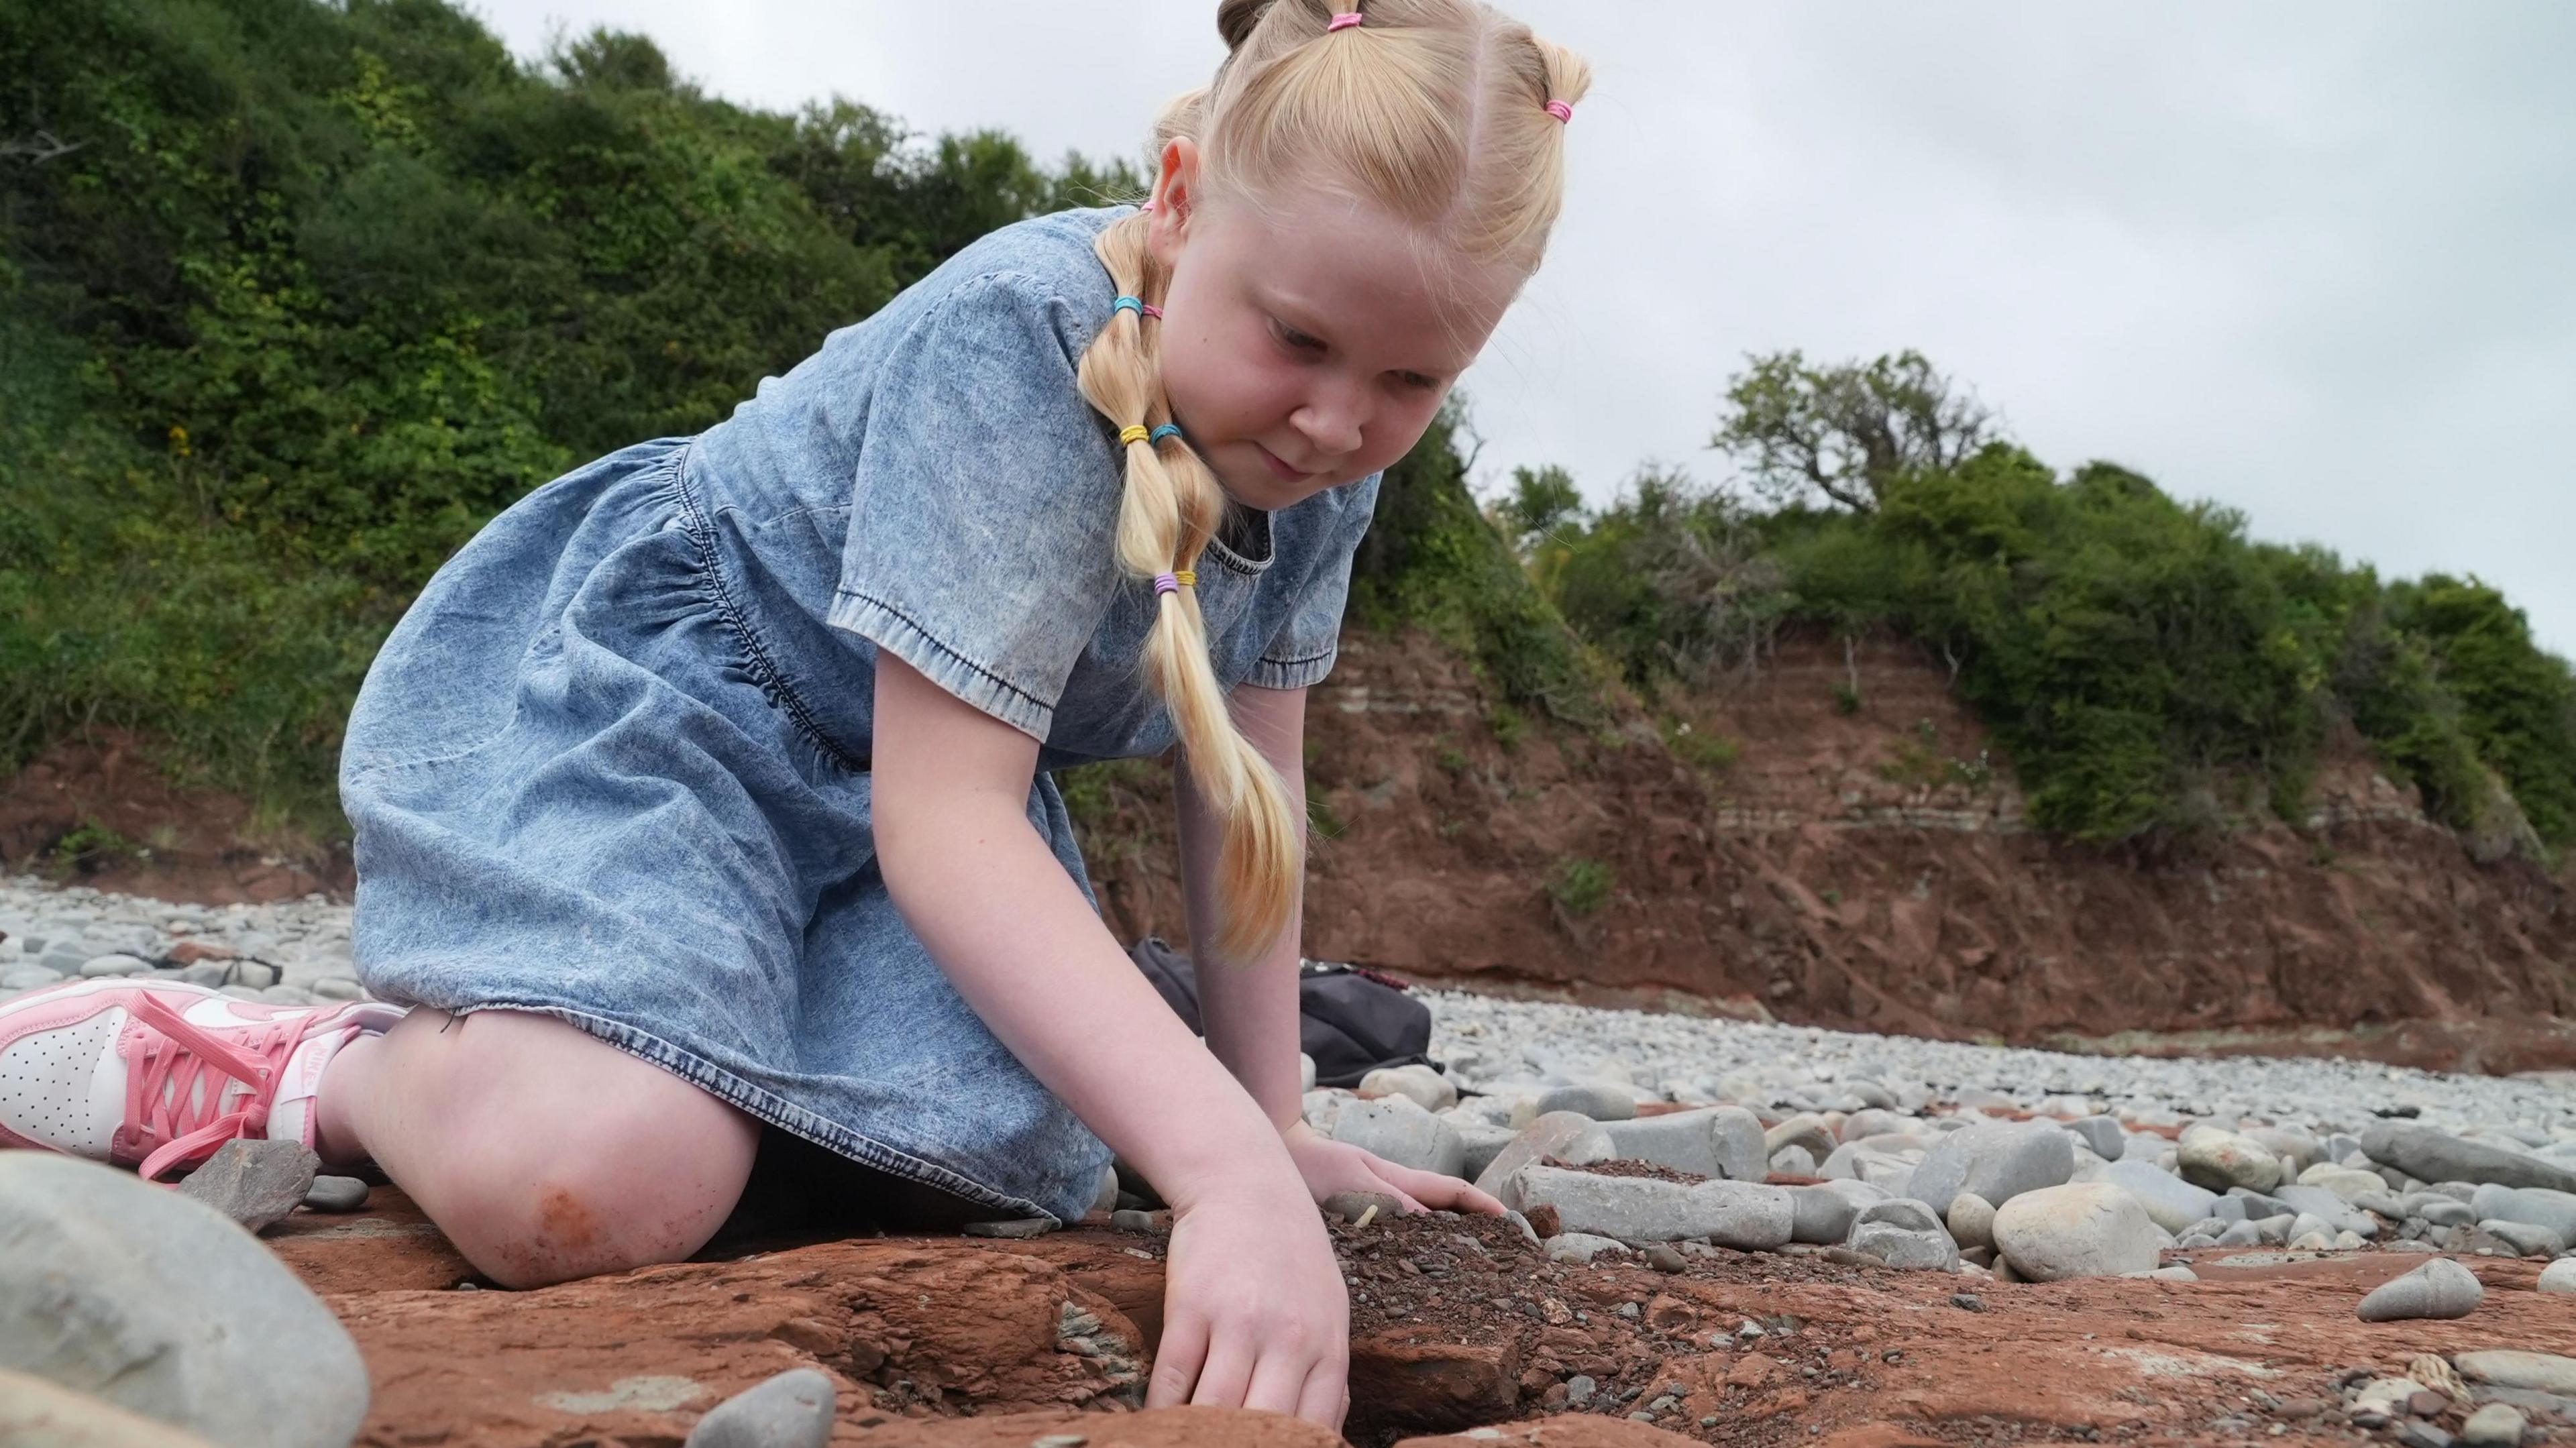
{"x": 1332, "y": 422}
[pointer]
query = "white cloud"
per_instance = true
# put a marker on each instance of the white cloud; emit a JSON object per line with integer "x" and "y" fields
{"x": 2308, "y": 259}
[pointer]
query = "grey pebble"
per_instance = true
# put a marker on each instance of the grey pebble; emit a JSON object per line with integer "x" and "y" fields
{"x": 254, "y": 1182}
{"x": 2441, "y": 1288}
{"x": 336, "y": 1194}
{"x": 100, "y": 966}
{"x": 205, "y": 1327}
{"x": 792, "y": 1410}
{"x": 1015, "y": 1229}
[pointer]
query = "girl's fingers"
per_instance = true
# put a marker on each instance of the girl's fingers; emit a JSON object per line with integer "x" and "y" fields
{"x": 1440, "y": 1193}
{"x": 1227, "y": 1372}
{"x": 1323, "y": 1398}
{"x": 1176, "y": 1362}
{"x": 1279, "y": 1382}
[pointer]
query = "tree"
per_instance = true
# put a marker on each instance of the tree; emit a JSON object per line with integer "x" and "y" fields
{"x": 1541, "y": 501}
{"x": 1846, "y": 431}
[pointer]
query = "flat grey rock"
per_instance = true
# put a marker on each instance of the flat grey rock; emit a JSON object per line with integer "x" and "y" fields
{"x": 1904, "y": 1212}
{"x": 1396, "y": 1128}
{"x": 158, "y": 1304}
{"x": 100, "y": 966}
{"x": 792, "y": 1410}
{"x": 2538, "y": 1372}
{"x": 2337, "y": 1214}
{"x": 2171, "y": 1202}
{"x": 1793, "y": 1161}
{"x": 1484, "y": 1142}
{"x": 2089, "y": 1229}
{"x": 254, "y": 1182}
{"x": 1998, "y": 1161}
{"x": 2439, "y": 1289}
{"x": 1566, "y": 1136}
{"x": 2525, "y": 1239}
{"x": 1744, "y": 1215}
{"x": 1690, "y": 1141}
{"x": 2532, "y": 1206}
{"x": 2436, "y": 1156}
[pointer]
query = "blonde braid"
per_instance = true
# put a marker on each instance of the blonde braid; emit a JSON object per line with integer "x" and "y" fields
{"x": 1170, "y": 509}
{"x": 1437, "y": 110}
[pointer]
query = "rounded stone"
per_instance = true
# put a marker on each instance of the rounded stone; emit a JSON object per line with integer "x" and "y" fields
{"x": 39, "y": 1414}
{"x": 2217, "y": 1160}
{"x": 1972, "y": 1220}
{"x": 792, "y": 1410}
{"x": 339, "y": 1194}
{"x": 2439, "y": 1289}
{"x": 1418, "y": 1083}
{"x": 2559, "y": 1276}
{"x": 163, "y": 1306}
{"x": 98, "y": 966}
{"x": 2089, "y": 1229}
{"x": 1599, "y": 1102}
{"x": 2497, "y": 1425}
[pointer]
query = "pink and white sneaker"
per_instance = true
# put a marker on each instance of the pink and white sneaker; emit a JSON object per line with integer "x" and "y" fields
{"x": 157, "y": 1075}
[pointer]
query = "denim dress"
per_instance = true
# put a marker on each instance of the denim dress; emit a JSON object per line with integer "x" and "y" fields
{"x": 613, "y": 765}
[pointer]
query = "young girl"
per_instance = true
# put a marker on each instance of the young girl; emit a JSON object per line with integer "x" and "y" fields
{"x": 711, "y": 786}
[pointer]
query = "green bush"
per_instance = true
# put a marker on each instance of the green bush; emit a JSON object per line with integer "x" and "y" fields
{"x": 2144, "y": 665}
{"x": 295, "y": 295}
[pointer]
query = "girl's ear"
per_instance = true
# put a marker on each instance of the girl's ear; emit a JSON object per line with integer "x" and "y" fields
{"x": 1175, "y": 197}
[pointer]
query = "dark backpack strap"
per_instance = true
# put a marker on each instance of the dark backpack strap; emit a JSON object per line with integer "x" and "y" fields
{"x": 1175, "y": 977}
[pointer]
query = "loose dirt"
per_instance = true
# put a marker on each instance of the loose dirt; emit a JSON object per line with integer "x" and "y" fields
{"x": 945, "y": 1342}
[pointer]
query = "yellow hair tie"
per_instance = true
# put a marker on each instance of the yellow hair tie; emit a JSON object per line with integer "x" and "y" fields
{"x": 1134, "y": 435}
{"x": 1187, "y": 577}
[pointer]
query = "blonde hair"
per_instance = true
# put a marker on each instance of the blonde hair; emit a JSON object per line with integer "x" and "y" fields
{"x": 1437, "y": 112}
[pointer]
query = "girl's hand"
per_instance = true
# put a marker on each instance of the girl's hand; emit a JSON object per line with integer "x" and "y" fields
{"x": 1254, "y": 1311}
{"x": 1333, "y": 1166}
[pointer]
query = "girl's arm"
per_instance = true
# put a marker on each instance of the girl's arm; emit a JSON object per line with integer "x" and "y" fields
{"x": 1255, "y": 1314}
{"x": 1249, "y": 1009}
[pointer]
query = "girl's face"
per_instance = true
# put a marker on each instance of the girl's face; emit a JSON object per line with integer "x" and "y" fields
{"x": 1308, "y": 342}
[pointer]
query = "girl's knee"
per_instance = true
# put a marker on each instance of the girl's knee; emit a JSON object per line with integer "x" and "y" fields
{"x": 555, "y": 1155}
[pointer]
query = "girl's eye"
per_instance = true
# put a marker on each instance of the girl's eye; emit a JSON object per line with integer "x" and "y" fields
{"x": 1295, "y": 340}
{"x": 1417, "y": 381}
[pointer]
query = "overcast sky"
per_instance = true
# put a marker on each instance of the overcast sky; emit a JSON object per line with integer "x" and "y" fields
{"x": 2314, "y": 260}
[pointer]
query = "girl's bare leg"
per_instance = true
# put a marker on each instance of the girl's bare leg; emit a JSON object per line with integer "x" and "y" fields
{"x": 543, "y": 1152}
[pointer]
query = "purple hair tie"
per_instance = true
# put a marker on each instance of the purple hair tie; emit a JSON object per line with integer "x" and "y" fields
{"x": 1166, "y": 583}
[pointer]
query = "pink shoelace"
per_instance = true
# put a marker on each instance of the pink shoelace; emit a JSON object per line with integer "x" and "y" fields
{"x": 176, "y": 1080}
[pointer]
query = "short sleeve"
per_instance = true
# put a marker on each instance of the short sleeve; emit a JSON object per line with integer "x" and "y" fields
{"x": 985, "y": 506}
{"x": 1302, "y": 652}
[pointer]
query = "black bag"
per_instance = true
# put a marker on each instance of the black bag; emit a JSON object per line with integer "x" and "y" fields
{"x": 1351, "y": 1021}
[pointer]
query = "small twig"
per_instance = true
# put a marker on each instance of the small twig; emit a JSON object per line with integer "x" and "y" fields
{"x": 38, "y": 148}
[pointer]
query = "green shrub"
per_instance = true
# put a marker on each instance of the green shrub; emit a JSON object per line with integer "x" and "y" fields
{"x": 1580, "y": 886}
{"x": 305, "y": 292}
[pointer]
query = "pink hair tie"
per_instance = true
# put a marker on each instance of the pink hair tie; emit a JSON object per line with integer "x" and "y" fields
{"x": 1153, "y": 311}
{"x": 1346, "y": 21}
{"x": 1147, "y": 208}
{"x": 1560, "y": 110}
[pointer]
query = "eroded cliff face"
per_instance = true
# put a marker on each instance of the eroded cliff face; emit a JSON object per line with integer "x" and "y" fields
{"x": 1872, "y": 869}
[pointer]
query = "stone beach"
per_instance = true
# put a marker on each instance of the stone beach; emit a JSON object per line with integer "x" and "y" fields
{"x": 1642, "y": 1148}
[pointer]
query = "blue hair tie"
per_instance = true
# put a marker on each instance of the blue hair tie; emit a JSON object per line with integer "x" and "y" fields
{"x": 1136, "y": 305}
{"x": 1160, "y": 433}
